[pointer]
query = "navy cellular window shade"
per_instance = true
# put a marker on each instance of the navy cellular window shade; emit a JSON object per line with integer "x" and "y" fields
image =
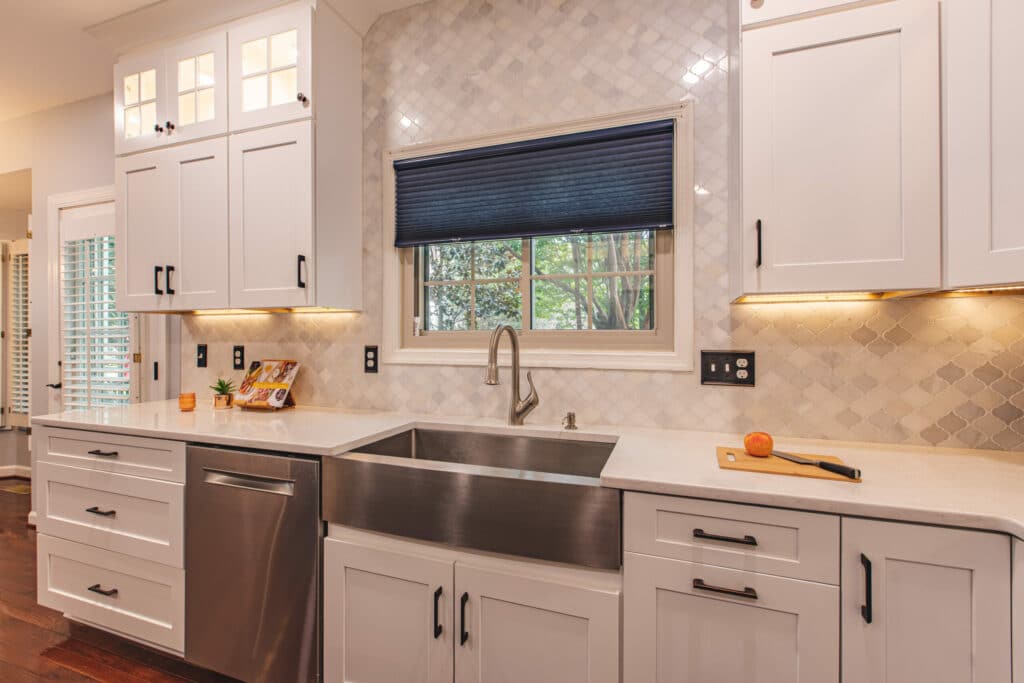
{"x": 611, "y": 180}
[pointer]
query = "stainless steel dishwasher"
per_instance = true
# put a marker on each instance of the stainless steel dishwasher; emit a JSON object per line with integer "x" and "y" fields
{"x": 252, "y": 561}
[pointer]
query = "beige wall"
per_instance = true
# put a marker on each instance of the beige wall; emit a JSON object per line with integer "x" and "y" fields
{"x": 13, "y": 224}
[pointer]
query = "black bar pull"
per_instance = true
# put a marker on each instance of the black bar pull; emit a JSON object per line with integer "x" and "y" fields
{"x": 56, "y": 385}
{"x": 462, "y": 618}
{"x": 167, "y": 279}
{"x": 102, "y": 513}
{"x": 437, "y": 599}
{"x": 746, "y": 540}
{"x": 298, "y": 272}
{"x": 759, "y": 250}
{"x": 110, "y": 593}
{"x": 156, "y": 279}
{"x": 747, "y": 592}
{"x": 104, "y": 454}
{"x": 156, "y": 371}
{"x": 867, "y": 608}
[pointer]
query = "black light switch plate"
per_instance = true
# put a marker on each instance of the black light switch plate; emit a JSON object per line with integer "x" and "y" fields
{"x": 201, "y": 355}
{"x": 371, "y": 359}
{"x": 238, "y": 358}
{"x": 732, "y": 368}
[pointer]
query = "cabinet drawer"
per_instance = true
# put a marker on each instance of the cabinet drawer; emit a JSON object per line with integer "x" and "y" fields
{"x": 755, "y": 11}
{"x": 131, "y": 515}
{"x": 141, "y": 457}
{"x": 149, "y": 602}
{"x": 800, "y": 545}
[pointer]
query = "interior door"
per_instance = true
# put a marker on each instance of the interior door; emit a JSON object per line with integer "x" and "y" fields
{"x": 387, "y": 616}
{"x": 145, "y": 231}
{"x": 924, "y": 604}
{"x": 984, "y": 142}
{"x": 841, "y": 174}
{"x": 140, "y": 107}
{"x": 513, "y": 627}
{"x": 271, "y": 213}
{"x": 701, "y": 624}
{"x": 197, "y": 88}
{"x": 196, "y": 268}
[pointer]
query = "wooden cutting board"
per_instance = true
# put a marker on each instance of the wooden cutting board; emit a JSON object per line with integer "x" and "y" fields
{"x": 741, "y": 460}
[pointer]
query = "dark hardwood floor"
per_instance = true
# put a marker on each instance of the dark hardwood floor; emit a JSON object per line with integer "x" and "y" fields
{"x": 38, "y": 644}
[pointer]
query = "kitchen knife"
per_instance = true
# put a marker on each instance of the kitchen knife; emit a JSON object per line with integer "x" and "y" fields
{"x": 851, "y": 472}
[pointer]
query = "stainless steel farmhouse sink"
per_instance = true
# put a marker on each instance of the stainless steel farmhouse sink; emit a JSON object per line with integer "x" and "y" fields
{"x": 520, "y": 495}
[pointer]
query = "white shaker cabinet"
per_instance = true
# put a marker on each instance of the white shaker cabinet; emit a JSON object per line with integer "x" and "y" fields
{"x": 924, "y": 604}
{"x": 984, "y": 107}
{"x": 140, "y": 102}
{"x": 142, "y": 199}
{"x": 841, "y": 152}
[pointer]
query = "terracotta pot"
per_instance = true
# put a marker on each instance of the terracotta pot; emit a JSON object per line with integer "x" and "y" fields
{"x": 223, "y": 401}
{"x": 187, "y": 402}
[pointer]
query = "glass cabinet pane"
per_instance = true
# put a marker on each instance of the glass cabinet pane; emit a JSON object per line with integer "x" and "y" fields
{"x": 147, "y": 117}
{"x": 187, "y": 108}
{"x": 205, "y": 70}
{"x": 131, "y": 89}
{"x": 131, "y": 122}
{"x": 186, "y": 74}
{"x": 204, "y": 105}
{"x": 254, "y": 56}
{"x": 254, "y": 92}
{"x": 284, "y": 49}
{"x": 283, "y": 88}
{"x": 147, "y": 85}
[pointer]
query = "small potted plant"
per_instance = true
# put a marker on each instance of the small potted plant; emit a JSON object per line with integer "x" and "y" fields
{"x": 224, "y": 392}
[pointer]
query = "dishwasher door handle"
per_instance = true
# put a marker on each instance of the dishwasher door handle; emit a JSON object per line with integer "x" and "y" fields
{"x": 252, "y": 482}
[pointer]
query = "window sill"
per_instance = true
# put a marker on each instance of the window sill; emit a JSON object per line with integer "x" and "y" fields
{"x": 668, "y": 361}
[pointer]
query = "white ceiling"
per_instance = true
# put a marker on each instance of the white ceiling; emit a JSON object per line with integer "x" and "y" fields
{"x": 57, "y": 51}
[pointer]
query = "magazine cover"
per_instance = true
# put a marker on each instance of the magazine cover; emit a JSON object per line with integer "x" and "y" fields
{"x": 268, "y": 384}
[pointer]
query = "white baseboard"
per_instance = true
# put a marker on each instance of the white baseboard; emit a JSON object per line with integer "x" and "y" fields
{"x": 15, "y": 471}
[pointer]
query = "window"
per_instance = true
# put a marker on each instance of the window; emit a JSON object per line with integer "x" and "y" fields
{"x": 95, "y": 337}
{"x": 617, "y": 294}
{"x": 195, "y": 90}
{"x": 18, "y": 334}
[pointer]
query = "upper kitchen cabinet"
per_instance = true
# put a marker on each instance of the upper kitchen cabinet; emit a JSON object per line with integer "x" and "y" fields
{"x": 271, "y": 68}
{"x": 841, "y": 152}
{"x": 140, "y": 102}
{"x": 984, "y": 142}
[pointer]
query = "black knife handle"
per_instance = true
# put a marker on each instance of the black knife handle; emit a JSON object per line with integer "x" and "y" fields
{"x": 851, "y": 472}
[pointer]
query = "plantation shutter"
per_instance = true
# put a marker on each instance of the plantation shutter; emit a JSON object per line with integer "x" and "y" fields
{"x": 95, "y": 337}
{"x": 611, "y": 180}
{"x": 18, "y": 326}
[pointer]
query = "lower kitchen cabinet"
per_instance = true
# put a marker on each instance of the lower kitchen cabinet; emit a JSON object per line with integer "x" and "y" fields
{"x": 398, "y": 611}
{"x": 924, "y": 604}
{"x": 694, "y": 623}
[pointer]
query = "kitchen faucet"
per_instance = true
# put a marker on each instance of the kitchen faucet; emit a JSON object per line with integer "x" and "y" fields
{"x": 518, "y": 407}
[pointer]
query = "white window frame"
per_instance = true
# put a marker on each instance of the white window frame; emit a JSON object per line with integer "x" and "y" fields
{"x": 681, "y": 356}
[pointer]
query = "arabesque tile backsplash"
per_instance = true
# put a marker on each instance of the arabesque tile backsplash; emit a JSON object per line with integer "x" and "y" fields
{"x": 924, "y": 371}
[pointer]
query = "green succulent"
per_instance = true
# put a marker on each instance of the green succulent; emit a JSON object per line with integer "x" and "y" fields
{"x": 223, "y": 386}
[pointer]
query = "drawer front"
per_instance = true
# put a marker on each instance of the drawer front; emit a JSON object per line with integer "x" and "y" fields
{"x": 799, "y": 545}
{"x": 127, "y": 595}
{"x": 130, "y": 515}
{"x": 138, "y": 456}
{"x": 756, "y": 11}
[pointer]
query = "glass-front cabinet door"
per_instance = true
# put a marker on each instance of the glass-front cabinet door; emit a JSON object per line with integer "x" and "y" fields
{"x": 270, "y": 69}
{"x": 197, "y": 105}
{"x": 139, "y": 103}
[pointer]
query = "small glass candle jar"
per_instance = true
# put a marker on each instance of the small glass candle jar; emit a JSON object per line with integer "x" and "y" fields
{"x": 187, "y": 402}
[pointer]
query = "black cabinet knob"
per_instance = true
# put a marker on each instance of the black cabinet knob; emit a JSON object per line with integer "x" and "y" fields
{"x": 170, "y": 126}
{"x": 302, "y": 98}
{"x": 157, "y": 128}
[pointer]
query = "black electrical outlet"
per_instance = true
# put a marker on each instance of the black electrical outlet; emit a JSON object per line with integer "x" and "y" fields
{"x": 727, "y": 367}
{"x": 371, "y": 359}
{"x": 201, "y": 355}
{"x": 238, "y": 358}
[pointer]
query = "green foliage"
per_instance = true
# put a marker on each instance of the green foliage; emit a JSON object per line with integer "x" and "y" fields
{"x": 223, "y": 386}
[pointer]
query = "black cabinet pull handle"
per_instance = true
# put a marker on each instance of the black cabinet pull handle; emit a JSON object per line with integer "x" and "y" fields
{"x": 746, "y": 540}
{"x": 102, "y": 513}
{"x": 104, "y": 454}
{"x": 298, "y": 272}
{"x": 110, "y": 593}
{"x": 867, "y": 608}
{"x": 747, "y": 592}
{"x": 462, "y": 618}
{"x": 437, "y": 599}
{"x": 759, "y": 250}
{"x": 56, "y": 385}
{"x": 156, "y": 279}
{"x": 167, "y": 279}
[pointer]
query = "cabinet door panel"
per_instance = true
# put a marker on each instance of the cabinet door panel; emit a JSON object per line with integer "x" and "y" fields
{"x": 841, "y": 151}
{"x": 984, "y": 142}
{"x": 144, "y": 224}
{"x": 198, "y": 185}
{"x": 527, "y": 629}
{"x": 379, "y": 616}
{"x": 139, "y": 103}
{"x": 271, "y": 209}
{"x": 197, "y": 87}
{"x": 940, "y": 604}
{"x": 674, "y": 631}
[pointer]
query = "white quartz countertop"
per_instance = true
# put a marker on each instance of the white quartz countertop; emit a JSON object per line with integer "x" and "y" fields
{"x": 955, "y": 487}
